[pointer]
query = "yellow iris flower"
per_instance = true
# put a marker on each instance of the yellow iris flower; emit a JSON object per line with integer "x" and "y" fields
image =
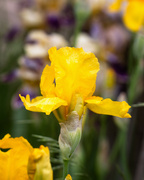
{"x": 71, "y": 77}
{"x": 133, "y": 15}
{"x": 23, "y": 162}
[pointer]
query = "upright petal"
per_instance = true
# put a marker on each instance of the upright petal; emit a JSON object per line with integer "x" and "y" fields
{"x": 41, "y": 104}
{"x": 108, "y": 107}
{"x": 134, "y": 15}
{"x": 75, "y": 72}
{"x": 47, "y": 85}
{"x": 13, "y": 163}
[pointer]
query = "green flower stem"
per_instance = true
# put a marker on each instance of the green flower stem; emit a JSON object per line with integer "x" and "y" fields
{"x": 133, "y": 83}
{"x": 81, "y": 15}
{"x": 124, "y": 159}
{"x": 138, "y": 105}
{"x": 134, "y": 72}
{"x": 120, "y": 147}
{"x": 116, "y": 147}
{"x": 103, "y": 126}
{"x": 65, "y": 168}
{"x": 135, "y": 69}
{"x": 76, "y": 33}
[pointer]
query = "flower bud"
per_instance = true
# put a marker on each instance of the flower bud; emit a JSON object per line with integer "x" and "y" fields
{"x": 70, "y": 135}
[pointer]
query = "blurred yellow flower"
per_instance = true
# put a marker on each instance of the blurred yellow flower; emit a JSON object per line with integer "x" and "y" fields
{"x": 20, "y": 161}
{"x": 13, "y": 163}
{"x": 39, "y": 166}
{"x": 68, "y": 177}
{"x": 133, "y": 13}
{"x": 69, "y": 83}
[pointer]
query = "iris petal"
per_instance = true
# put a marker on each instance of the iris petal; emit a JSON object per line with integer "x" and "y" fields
{"x": 13, "y": 163}
{"x": 46, "y": 85}
{"x": 75, "y": 72}
{"x": 108, "y": 107}
{"x": 41, "y": 104}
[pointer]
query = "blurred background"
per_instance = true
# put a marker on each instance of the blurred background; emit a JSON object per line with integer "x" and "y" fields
{"x": 111, "y": 148}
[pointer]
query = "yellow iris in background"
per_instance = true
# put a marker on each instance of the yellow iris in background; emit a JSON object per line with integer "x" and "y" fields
{"x": 20, "y": 161}
{"x": 133, "y": 13}
{"x": 68, "y": 177}
{"x": 70, "y": 78}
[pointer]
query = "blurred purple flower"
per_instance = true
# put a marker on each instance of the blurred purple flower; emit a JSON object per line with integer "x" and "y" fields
{"x": 16, "y": 101}
{"x": 96, "y": 30}
{"x": 12, "y": 33}
{"x": 30, "y": 41}
{"x": 32, "y": 64}
{"x": 53, "y": 20}
{"x": 9, "y": 77}
{"x": 119, "y": 68}
{"x": 67, "y": 17}
{"x": 25, "y": 3}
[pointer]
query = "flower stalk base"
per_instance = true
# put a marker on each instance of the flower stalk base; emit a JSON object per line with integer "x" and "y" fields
{"x": 65, "y": 168}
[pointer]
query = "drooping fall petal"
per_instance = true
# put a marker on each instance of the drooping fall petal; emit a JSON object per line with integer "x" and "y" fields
{"x": 108, "y": 107}
{"x": 41, "y": 104}
{"x": 75, "y": 72}
{"x": 13, "y": 163}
